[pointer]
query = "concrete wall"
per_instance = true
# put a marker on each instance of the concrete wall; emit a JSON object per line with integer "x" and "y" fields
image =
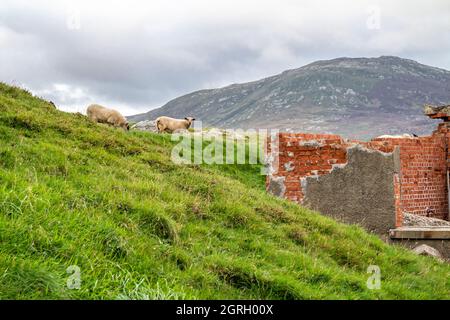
{"x": 360, "y": 192}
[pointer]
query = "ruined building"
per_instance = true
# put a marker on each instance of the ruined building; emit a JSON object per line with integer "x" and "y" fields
{"x": 373, "y": 184}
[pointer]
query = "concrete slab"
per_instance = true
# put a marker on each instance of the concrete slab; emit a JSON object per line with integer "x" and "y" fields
{"x": 440, "y": 232}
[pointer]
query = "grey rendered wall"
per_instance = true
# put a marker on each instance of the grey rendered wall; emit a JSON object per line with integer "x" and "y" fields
{"x": 360, "y": 192}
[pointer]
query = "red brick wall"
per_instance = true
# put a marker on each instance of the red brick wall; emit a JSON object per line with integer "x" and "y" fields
{"x": 423, "y": 176}
{"x": 420, "y": 186}
{"x": 302, "y": 155}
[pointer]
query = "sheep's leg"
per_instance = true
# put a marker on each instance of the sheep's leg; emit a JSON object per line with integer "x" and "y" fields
{"x": 160, "y": 127}
{"x": 111, "y": 122}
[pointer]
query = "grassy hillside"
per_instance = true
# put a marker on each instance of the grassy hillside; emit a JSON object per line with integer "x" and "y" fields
{"x": 140, "y": 227}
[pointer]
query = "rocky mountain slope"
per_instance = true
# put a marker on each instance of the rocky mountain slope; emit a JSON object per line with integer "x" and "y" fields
{"x": 355, "y": 97}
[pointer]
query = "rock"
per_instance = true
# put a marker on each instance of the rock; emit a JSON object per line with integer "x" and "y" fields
{"x": 181, "y": 131}
{"x": 425, "y": 250}
{"x": 431, "y": 110}
{"x": 415, "y": 220}
{"x": 146, "y": 125}
{"x": 213, "y": 133}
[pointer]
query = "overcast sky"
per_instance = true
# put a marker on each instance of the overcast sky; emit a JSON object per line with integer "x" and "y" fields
{"x": 138, "y": 55}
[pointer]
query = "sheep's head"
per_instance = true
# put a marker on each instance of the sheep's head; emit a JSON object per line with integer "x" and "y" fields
{"x": 126, "y": 126}
{"x": 189, "y": 120}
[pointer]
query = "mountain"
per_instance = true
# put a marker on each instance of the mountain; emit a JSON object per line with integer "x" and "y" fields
{"x": 355, "y": 97}
{"x": 109, "y": 208}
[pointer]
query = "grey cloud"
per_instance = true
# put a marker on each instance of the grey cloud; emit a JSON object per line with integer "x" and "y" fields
{"x": 142, "y": 56}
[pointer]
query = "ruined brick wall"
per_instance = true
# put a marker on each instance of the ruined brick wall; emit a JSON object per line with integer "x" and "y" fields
{"x": 347, "y": 180}
{"x": 301, "y": 155}
{"x": 419, "y": 175}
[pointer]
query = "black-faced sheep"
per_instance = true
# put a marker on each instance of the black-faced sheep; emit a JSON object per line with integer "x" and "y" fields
{"x": 112, "y": 117}
{"x": 167, "y": 124}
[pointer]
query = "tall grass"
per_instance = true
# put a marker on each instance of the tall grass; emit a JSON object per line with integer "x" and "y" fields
{"x": 138, "y": 226}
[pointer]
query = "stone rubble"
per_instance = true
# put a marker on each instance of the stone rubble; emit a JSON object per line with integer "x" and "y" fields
{"x": 415, "y": 220}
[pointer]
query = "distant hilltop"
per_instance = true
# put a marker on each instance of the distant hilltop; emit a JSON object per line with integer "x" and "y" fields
{"x": 354, "y": 97}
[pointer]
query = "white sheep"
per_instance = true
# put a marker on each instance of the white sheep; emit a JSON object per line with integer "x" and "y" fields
{"x": 167, "y": 124}
{"x": 112, "y": 117}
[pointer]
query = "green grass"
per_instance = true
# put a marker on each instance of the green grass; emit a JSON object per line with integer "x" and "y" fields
{"x": 140, "y": 227}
